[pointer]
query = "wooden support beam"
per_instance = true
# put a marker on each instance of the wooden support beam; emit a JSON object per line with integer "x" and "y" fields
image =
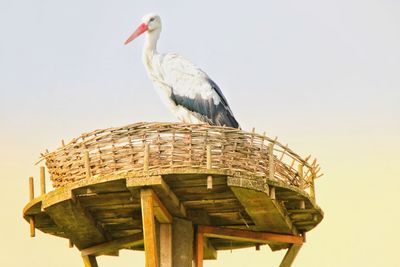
{"x": 89, "y": 261}
{"x": 149, "y": 227}
{"x": 199, "y": 248}
{"x": 165, "y": 245}
{"x": 290, "y": 255}
{"x": 114, "y": 245}
{"x": 166, "y": 195}
{"x": 32, "y": 226}
{"x": 248, "y": 235}
{"x": 209, "y": 251}
{"x": 42, "y": 181}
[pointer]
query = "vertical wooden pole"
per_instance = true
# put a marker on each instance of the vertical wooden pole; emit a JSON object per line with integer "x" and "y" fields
{"x": 312, "y": 187}
{"x": 31, "y": 189}
{"x": 31, "y": 197}
{"x": 199, "y": 254}
{"x": 272, "y": 192}
{"x": 209, "y": 166}
{"x": 87, "y": 165}
{"x": 149, "y": 228}
{"x": 146, "y": 158}
{"x": 301, "y": 175}
{"x": 89, "y": 261}
{"x": 42, "y": 181}
{"x": 271, "y": 161}
{"x": 165, "y": 245}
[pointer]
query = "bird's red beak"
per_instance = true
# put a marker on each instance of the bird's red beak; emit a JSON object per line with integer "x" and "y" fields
{"x": 141, "y": 29}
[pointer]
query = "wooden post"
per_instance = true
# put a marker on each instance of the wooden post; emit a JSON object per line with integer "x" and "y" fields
{"x": 165, "y": 245}
{"x": 89, "y": 261}
{"x": 42, "y": 181}
{"x": 209, "y": 166}
{"x": 146, "y": 158}
{"x": 301, "y": 177}
{"x": 87, "y": 165}
{"x": 31, "y": 197}
{"x": 271, "y": 161}
{"x": 149, "y": 228}
{"x": 31, "y": 189}
{"x": 199, "y": 244}
{"x": 290, "y": 255}
{"x": 312, "y": 187}
{"x": 272, "y": 192}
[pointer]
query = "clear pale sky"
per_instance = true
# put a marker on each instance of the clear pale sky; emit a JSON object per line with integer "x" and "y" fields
{"x": 323, "y": 76}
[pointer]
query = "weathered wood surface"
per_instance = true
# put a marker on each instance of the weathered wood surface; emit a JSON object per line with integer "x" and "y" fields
{"x": 290, "y": 255}
{"x": 247, "y": 235}
{"x": 149, "y": 228}
{"x": 114, "y": 245}
{"x": 89, "y": 261}
{"x": 118, "y": 209}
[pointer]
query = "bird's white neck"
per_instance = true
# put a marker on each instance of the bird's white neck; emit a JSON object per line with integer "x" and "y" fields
{"x": 150, "y": 47}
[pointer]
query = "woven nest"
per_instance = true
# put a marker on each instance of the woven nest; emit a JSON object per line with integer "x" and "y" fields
{"x": 162, "y": 148}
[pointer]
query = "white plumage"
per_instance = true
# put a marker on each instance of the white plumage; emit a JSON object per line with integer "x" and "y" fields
{"x": 188, "y": 91}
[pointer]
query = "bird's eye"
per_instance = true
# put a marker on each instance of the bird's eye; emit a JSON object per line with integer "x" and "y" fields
{"x": 152, "y": 19}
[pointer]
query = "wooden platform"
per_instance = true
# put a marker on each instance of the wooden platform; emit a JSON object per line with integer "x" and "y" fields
{"x": 174, "y": 189}
{"x": 102, "y": 210}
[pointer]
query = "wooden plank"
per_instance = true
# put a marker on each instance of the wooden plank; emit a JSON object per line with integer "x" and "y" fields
{"x": 290, "y": 255}
{"x": 89, "y": 261}
{"x": 266, "y": 213}
{"x": 165, "y": 245}
{"x": 77, "y": 224}
{"x": 149, "y": 227}
{"x": 248, "y": 236}
{"x": 114, "y": 245}
{"x": 167, "y": 196}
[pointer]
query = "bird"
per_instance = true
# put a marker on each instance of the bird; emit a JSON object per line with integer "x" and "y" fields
{"x": 189, "y": 92}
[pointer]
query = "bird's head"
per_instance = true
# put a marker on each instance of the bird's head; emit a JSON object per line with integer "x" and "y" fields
{"x": 150, "y": 22}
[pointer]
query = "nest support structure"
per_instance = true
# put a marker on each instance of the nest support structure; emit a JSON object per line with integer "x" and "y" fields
{"x": 180, "y": 192}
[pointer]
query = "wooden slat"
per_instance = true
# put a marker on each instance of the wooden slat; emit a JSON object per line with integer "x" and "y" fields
{"x": 114, "y": 245}
{"x": 149, "y": 228}
{"x": 290, "y": 255}
{"x": 248, "y": 236}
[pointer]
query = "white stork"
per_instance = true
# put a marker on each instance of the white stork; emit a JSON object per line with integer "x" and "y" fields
{"x": 188, "y": 91}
